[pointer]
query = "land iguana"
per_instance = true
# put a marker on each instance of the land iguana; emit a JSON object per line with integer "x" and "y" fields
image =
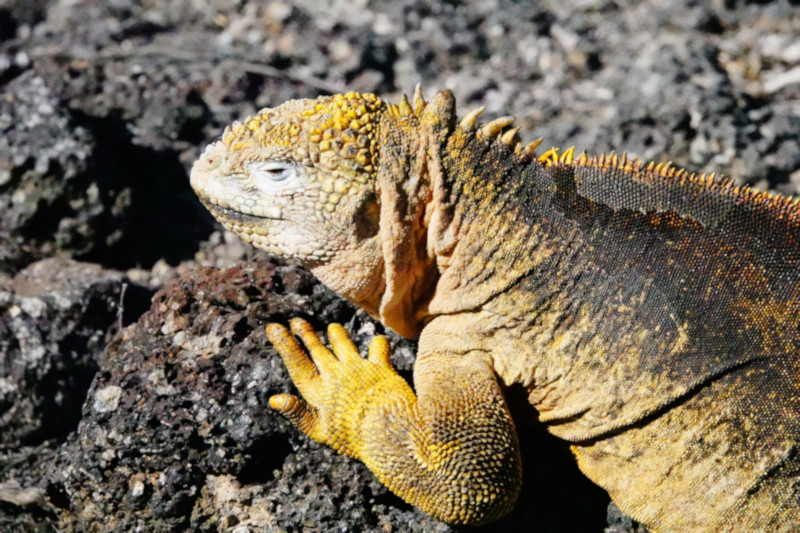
{"x": 651, "y": 315}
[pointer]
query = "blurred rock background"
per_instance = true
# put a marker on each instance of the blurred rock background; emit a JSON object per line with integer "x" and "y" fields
{"x": 118, "y": 413}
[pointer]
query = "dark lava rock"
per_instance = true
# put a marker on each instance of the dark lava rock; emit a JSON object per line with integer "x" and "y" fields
{"x": 78, "y": 186}
{"x": 56, "y": 317}
{"x": 47, "y": 204}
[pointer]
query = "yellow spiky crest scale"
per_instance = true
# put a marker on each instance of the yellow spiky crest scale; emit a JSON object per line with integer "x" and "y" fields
{"x": 404, "y": 107}
{"x": 492, "y": 129}
{"x": 529, "y": 151}
{"x": 419, "y": 99}
{"x": 470, "y": 120}
{"x": 510, "y": 137}
{"x": 549, "y": 158}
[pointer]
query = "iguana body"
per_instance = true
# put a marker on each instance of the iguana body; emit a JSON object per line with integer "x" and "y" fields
{"x": 652, "y": 316}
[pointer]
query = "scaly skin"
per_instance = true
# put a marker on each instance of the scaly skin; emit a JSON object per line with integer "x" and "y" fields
{"x": 651, "y": 315}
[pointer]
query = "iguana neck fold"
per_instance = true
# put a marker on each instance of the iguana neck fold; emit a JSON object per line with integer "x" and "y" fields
{"x": 406, "y": 185}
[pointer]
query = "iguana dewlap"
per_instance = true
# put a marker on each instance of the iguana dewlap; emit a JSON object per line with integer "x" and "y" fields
{"x": 652, "y": 316}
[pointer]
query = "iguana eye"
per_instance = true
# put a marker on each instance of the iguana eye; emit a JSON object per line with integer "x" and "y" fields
{"x": 271, "y": 175}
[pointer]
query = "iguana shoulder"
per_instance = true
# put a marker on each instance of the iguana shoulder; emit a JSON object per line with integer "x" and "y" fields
{"x": 651, "y": 314}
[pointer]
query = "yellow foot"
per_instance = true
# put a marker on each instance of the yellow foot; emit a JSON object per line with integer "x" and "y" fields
{"x": 337, "y": 387}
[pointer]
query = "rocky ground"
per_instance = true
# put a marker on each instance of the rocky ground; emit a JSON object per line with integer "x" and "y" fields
{"x": 134, "y": 370}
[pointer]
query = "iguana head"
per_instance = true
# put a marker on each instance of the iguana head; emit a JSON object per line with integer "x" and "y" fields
{"x": 297, "y": 180}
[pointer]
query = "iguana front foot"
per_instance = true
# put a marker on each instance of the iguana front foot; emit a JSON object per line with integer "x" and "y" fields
{"x": 451, "y": 450}
{"x": 337, "y": 386}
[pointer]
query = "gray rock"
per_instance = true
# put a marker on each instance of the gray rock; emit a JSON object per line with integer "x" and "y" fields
{"x": 56, "y": 317}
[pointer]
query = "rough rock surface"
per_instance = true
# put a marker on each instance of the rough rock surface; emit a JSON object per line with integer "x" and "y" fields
{"x": 105, "y": 104}
{"x": 58, "y": 315}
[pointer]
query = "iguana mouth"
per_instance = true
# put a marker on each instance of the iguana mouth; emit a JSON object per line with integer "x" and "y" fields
{"x": 229, "y": 214}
